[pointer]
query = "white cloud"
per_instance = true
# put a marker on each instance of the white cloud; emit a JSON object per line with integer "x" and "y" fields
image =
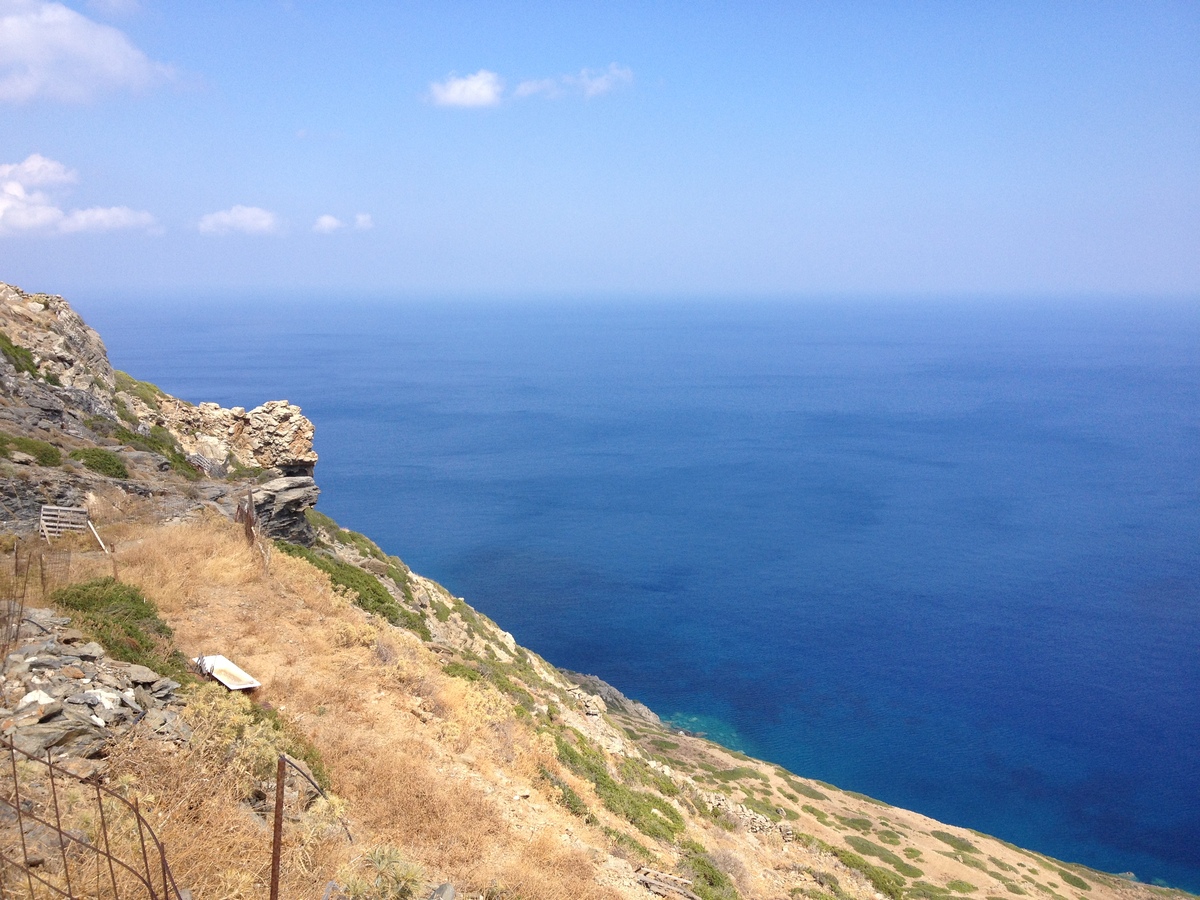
{"x": 52, "y": 52}
{"x": 246, "y": 219}
{"x": 100, "y": 219}
{"x": 484, "y": 88}
{"x": 25, "y": 210}
{"x": 38, "y": 171}
{"x": 589, "y": 82}
{"x": 327, "y": 224}
{"x": 364, "y": 222}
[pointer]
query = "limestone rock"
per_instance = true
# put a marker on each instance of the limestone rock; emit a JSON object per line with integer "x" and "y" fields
{"x": 62, "y": 344}
{"x": 274, "y": 435}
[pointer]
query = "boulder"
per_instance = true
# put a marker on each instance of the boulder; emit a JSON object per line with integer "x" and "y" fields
{"x": 280, "y": 505}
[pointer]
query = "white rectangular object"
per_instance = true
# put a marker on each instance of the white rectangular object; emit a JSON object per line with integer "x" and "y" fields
{"x": 228, "y": 673}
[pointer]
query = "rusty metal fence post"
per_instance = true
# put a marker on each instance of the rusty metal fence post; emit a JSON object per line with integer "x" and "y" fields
{"x": 277, "y": 839}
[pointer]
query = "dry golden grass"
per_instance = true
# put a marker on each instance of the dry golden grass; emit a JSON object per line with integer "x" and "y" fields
{"x": 390, "y": 726}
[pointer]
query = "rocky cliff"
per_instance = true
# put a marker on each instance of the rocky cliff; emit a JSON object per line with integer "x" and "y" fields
{"x": 58, "y": 386}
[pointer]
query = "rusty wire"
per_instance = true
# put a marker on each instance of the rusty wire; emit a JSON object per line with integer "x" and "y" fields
{"x": 58, "y": 861}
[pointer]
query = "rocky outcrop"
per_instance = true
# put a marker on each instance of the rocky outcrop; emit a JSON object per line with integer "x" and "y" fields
{"x": 272, "y": 436}
{"x": 604, "y": 696}
{"x": 63, "y": 694}
{"x": 280, "y": 504}
{"x": 62, "y": 344}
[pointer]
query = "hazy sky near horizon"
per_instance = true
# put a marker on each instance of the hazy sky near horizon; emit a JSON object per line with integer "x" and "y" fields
{"x": 601, "y": 148}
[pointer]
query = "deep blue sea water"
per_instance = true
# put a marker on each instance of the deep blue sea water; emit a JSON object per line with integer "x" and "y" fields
{"x": 943, "y": 553}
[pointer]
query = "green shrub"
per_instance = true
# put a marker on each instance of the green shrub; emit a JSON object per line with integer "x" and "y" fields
{"x": 46, "y": 454}
{"x": 292, "y": 740}
{"x": 363, "y": 544}
{"x": 371, "y": 595}
{"x": 1074, "y": 880}
{"x": 651, "y": 815}
{"x": 621, "y": 839}
{"x": 961, "y": 887}
{"x": 870, "y": 848}
{"x": 889, "y": 837}
{"x": 20, "y": 357}
{"x": 801, "y": 788}
{"x": 145, "y": 391}
{"x": 708, "y": 881}
{"x": 456, "y": 669}
{"x": 863, "y": 825}
{"x": 388, "y": 877}
{"x": 125, "y": 623}
{"x": 960, "y": 844}
{"x": 883, "y": 880}
{"x": 763, "y": 808}
{"x": 817, "y": 814}
{"x": 159, "y": 441}
{"x": 912, "y": 852}
{"x": 923, "y": 890}
{"x": 101, "y": 461}
{"x": 568, "y": 797}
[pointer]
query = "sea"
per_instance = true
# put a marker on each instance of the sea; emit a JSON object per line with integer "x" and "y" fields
{"x": 941, "y": 551}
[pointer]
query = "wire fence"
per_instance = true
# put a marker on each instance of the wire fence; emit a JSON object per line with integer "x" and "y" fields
{"x": 29, "y": 573}
{"x": 64, "y": 838}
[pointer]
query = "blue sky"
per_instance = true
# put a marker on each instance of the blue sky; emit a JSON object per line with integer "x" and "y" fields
{"x": 601, "y": 148}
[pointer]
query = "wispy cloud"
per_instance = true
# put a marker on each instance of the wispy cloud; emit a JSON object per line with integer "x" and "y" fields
{"x": 242, "y": 219}
{"x": 327, "y": 224}
{"x": 26, "y": 210}
{"x": 48, "y": 51}
{"x": 589, "y": 83}
{"x": 484, "y": 88}
{"x": 594, "y": 83}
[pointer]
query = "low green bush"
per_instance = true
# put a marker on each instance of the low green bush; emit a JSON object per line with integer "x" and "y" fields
{"x": 371, "y": 595}
{"x": 961, "y": 887}
{"x": 870, "y": 848}
{"x": 46, "y": 454}
{"x": 708, "y": 881}
{"x": 569, "y": 797}
{"x": 883, "y": 880}
{"x": 653, "y": 816}
{"x": 863, "y": 825}
{"x": 1074, "y": 880}
{"x": 817, "y": 814}
{"x": 960, "y": 844}
{"x": 120, "y": 618}
{"x": 145, "y": 391}
{"x": 20, "y": 357}
{"x": 101, "y": 461}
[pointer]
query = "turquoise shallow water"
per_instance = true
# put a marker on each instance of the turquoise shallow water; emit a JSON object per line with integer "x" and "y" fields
{"x": 946, "y": 554}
